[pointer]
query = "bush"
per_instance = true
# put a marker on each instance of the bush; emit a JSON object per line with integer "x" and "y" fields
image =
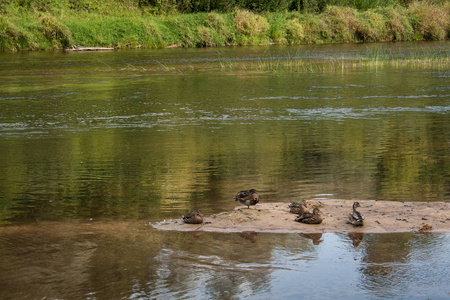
{"x": 55, "y": 32}
{"x": 429, "y": 21}
{"x": 277, "y": 31}
{"x": 265, "y": 5}
{"x": 373, "y": 27}
{"x": 342, "y": 23}
{"x": 250, "y": 28}
{"x": 315, "y": 29}
{"x": 222, "y": 27}
{"x": 250, "y": 24}
{"x": 295, "y": 32}
{"x": 397, "y": 24}
{"x": 10, "y": 37}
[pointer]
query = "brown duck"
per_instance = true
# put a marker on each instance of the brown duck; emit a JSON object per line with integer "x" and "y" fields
{"x": 310, "y": 218}
{"x": 195, "y": 217}
{"x": 247, "y": 198}
{"x": 355, "y": 217}
{"x": 298, "y": 208}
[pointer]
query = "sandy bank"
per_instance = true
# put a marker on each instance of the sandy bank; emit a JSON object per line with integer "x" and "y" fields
{"x": 380, "y": 217}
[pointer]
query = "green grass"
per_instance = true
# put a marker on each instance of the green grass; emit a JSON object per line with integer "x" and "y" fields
{"x": 45, "y": 25}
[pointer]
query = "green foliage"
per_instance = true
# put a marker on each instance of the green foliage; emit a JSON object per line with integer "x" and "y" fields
{"x": 106, "y": 31}
{"x": 11, "y": 38}
{"x": 250, "y": 28}
{"x": 363, "y": 4}
{"x": 265, "y": 5}
{"x": 55, "y": 32}
{"x": 398, "y": 26}
{"x": 51, "y": 24}
{"x": 308, "y": 6}
{"x": 295, "y": 32}
{"x": 277, "y": 31}
{"x": 430, "y": 21}
{"x": 342, "y": 23}
{"x": 373, "y": 27}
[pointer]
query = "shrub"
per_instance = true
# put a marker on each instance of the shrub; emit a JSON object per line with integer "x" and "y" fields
{"x": 342, "y": 23}
{"x": 222, "y": 27}
{"x": 10, "y": 37}
{"x": 397, "y": 24}
{"x": 153, "y": 37}
{"x": 55, "y": 32}
{"x": 295, "y": 33}
{"x": 373, "y": 27}
{"x": 315, "y": 29}
{"x": 429, "y": 21}
{"x": 265, "y": 5}
{"x": 249, "y": 24}
{"x": 277, "y": 31}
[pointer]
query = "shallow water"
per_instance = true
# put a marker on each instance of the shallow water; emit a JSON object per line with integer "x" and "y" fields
{"x": 142, "y": 136}
{"x": 133, "y": 261}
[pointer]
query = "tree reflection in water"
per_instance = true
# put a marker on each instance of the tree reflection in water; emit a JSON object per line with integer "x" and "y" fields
{"x": 129, "y": 260}
{"x": 395, "y": 263}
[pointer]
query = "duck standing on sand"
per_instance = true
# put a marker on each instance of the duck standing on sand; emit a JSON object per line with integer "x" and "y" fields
{"x": 355, "y": 217}
{"x": 310, "y": 218}
{"x": 195, "y": 217}
{"x": 247, "y": 198}
{"x": 298, "y": 208}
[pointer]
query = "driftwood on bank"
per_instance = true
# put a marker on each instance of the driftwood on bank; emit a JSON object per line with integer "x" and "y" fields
{"x": 380, "y": 217}
{"x": 81, "y": 48}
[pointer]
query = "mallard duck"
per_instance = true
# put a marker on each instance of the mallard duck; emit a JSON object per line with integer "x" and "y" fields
{"x": 355, "y": 217}
{"x": 195, "y": 217}
{"x": 298, "y": 208}
{"x": 247, "y": 198}
{"x": 310, "y": 218}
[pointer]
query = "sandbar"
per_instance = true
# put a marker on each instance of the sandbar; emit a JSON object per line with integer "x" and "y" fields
{"x": 380, "y": 217}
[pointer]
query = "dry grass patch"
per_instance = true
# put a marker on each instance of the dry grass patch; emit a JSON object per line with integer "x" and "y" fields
{"x": 430, "y": 21}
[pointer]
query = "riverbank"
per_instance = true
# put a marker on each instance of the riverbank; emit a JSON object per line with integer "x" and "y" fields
{"x": 380, "y": 217}
{"x": 128, "y": 26}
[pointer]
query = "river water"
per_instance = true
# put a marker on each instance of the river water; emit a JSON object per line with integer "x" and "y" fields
{"x": 94, "y": 145}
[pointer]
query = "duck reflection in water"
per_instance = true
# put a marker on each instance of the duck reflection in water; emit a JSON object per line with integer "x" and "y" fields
{"x": 197, "y": 234}
{"x": 356, "y": 238}
{"x": 315, "y": 237}
{"x": 249, "y": 235}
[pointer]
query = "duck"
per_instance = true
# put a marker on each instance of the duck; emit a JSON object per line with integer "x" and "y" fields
{"x": 310, "y": 218}
{"x": 247, "y": 198}
{"x": 355, "y": 217}
{"x": 195, "y": 217}
{"x": 298, "y": 208}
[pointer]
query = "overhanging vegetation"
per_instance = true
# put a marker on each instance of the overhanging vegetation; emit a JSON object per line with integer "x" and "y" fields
{"x": 51, "y": 24}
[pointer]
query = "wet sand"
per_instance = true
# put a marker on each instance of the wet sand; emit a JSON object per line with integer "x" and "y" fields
{"x": 380, "y": 217}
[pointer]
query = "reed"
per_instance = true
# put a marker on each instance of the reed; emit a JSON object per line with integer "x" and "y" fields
{"x": 373, "y": 57}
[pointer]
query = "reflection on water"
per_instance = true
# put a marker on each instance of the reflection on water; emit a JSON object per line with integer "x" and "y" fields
{"x": 92, "y": 142}
{"x": 132, "y": 261}
{"x": 83, "y": 137}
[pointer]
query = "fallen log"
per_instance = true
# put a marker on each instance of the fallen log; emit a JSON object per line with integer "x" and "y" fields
{"x": 81, "y": 48}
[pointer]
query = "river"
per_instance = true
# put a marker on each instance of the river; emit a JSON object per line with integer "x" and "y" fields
{"x": 95, "y": 145}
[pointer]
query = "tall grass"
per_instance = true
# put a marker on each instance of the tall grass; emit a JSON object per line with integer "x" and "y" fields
{"x": 373, "y": 57}
{"x": 51, "y": 24}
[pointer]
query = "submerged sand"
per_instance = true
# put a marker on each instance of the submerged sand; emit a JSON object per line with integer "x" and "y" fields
{"x": 380, "y": 217}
